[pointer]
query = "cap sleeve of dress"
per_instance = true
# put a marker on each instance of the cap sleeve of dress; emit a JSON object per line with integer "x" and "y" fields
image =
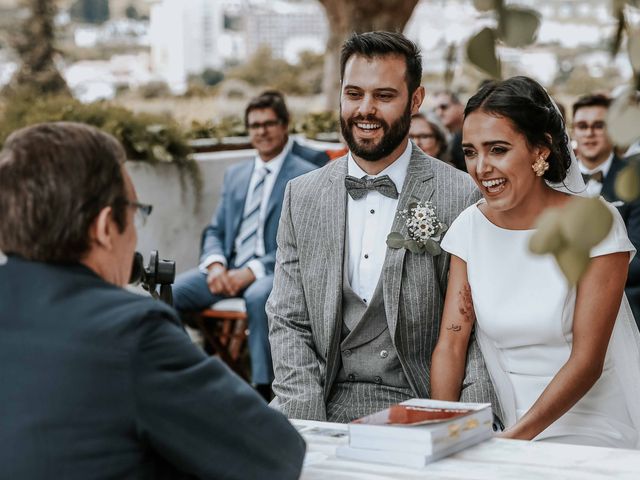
{"x": 617, "y": 240}
{"x": 456, "y": 238}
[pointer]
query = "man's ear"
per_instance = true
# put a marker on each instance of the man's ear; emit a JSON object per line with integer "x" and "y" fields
{"x": 416, "y": 99}
{"x": 102, "y": 228}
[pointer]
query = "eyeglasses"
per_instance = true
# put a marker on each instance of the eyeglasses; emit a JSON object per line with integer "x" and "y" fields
{"x": 143, "y": 211}
{"x": 422, "y": 136}
{"x": 443, "y": 106}
{"x": 597, "y": 126}
{"x": 267, "y": 125}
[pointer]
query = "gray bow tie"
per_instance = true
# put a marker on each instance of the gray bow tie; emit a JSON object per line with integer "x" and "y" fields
{"x": 359, "y": 187}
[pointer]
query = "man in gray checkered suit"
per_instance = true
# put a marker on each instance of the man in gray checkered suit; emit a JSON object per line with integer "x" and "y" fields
{"x": 353, "y": 322}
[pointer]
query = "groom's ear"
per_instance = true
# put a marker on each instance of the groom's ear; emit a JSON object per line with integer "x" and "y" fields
{"x": 416, "y": 99}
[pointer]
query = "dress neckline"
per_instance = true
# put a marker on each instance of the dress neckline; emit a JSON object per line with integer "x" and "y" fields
{"x": 489, "y": 222}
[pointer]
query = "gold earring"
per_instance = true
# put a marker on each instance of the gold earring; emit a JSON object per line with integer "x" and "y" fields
{"x": 540, "y": 166}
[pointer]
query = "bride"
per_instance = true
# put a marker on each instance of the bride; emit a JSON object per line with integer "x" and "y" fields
{"x": 564, "y": 361}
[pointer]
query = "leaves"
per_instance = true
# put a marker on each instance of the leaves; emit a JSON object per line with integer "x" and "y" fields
{"x": 628, "y": 183}
{"x": 395, "y": 240}
{"x": 413, "y": 246}
{"x": 623, "y": 119}
{"x": 432, "y": 247}
{"x": 481, "y": 51}
{"x": 634, "y": 49}
{"x": 484, "y": 5}
{"x": 518, "y": 27}
{"x": 573, "y": 262}
{"x": 548, "y": 237}
{"x": 570, "y": 232}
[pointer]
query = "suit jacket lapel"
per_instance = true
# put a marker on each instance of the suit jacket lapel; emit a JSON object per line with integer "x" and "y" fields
{"x": 332, "y": 209}
{"x": 240, "y": 195}
{"x": 417, "y": 187}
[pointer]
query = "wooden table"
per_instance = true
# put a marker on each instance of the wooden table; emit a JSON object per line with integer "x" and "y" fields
{"x": 493, "y": 459}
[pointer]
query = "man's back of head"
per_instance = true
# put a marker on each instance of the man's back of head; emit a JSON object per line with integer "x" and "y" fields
{"x": 54, "y": 179}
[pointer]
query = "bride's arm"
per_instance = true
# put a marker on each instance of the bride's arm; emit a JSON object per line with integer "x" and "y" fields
{"x": 449, "y": 356}
{"x": 598, "y": 301}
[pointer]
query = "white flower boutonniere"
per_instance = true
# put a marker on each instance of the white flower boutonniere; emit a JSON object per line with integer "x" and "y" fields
{"x": 424, "y": 228}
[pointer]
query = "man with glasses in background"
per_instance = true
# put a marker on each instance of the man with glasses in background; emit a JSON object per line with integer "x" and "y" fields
{"x": 96, "y": 381}
{"x": 450, "y": 111}
{"x": 599, "y": 166}
{"x": 238, "y": 247}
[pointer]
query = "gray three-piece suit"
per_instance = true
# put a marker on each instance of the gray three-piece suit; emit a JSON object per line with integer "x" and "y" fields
{"x": 335, "y": 358}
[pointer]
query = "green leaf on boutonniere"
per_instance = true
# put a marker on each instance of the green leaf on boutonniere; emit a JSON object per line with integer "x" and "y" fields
{"x": 432, "y": 247}
{"x": 395, "y": 240}
{"x": 413, "y": 246}
{"x": 411, "y": 206}
{"x": 443, "y": 228}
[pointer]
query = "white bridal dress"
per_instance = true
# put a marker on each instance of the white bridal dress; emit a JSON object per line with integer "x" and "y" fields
{"x": 524, "y": 309}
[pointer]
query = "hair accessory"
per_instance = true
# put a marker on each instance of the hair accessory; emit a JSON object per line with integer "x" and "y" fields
{"x": 540, "y": 166}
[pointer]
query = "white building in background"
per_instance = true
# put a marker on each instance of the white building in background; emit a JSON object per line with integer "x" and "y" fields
{"x": 189, "y": 36}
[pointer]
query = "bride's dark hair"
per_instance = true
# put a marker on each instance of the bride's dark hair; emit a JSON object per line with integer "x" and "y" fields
{"x": 532, "y": 113}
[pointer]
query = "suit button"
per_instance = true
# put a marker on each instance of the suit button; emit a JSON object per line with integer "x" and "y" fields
{"x": 384, "y": 354}
{"x": 347, "y": 353}
{"x": 351, "y": 377}
{"x": 377, "y": 380}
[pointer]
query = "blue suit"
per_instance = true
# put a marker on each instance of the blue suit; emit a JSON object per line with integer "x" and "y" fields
{"x": 191, "y": 292}
{"x": 98, "y": 382}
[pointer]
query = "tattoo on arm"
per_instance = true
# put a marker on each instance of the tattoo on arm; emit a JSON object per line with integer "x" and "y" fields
{"x": 465, "y": 304}
{"x": 454, "y": 328}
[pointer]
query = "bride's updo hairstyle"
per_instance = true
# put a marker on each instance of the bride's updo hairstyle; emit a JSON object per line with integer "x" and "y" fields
{"x": 532, "y": 113}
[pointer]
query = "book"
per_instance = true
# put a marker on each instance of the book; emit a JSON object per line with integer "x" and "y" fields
{"x": 421, "y": 426}
{"x": 410, "y": 459}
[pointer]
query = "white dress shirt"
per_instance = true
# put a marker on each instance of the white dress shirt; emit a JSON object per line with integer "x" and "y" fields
{"x": 369, "y": 221}
{"x": 594, "y": 188}
{"x": 274, "y": 165}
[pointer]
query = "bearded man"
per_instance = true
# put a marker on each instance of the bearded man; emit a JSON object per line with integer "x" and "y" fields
{"x": 352, "y": 321}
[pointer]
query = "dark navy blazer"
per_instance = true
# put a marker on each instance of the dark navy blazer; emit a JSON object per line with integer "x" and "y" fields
{"x": 219, "y": 236}
{"x": 98, "y": 382}
{"x": 630, "y": 213}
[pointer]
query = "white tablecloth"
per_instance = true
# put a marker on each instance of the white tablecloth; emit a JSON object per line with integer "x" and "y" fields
{"x": 493, "y": 459}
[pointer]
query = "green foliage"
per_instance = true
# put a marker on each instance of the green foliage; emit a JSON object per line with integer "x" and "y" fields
{"x": 145, "y": 137}
{"x": 229, "y": 126}
{"x": 263, "y": 70}
{"x": 570, "y": 232}
{"x": 35, "y": 45}
{"x": 320, "y": 122}
{"x": 212, "y": 77}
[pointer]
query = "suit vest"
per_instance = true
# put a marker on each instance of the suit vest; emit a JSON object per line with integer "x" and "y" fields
{"x": 370, "y": 376}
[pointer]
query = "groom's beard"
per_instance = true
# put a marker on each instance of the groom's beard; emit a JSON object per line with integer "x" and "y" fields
{"x": 392, "y": 135}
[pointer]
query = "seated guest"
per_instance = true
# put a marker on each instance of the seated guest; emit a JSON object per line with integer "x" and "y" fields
{"x": 600, "y": 166}
{"x": 96, "y": 381}
{"x": 239, "y": 246}
{"x": 428, "y": 136}
{"x": 318, "y": 157}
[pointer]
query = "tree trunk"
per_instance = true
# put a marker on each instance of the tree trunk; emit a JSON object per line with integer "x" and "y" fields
{"x": 35, "y": 45}
{"x": 347, "y": 17}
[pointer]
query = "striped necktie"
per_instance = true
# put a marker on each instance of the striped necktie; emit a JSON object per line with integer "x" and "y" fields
{"x": 247, "y": 239}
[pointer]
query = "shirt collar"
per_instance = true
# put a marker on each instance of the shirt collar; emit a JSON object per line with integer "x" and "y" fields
{"x": 397, "y": 171}
{"x": 275, "y": 164}
{"x": 603, "y": 167}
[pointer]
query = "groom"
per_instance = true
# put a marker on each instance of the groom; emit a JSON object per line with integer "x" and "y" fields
{"x": 352, "y": 322}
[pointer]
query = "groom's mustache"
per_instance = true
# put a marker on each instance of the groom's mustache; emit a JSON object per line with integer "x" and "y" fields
{"x": 369, "y": 118}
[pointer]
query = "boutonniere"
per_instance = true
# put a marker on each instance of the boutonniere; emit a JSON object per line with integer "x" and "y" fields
{"x": 424, "y": 228}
